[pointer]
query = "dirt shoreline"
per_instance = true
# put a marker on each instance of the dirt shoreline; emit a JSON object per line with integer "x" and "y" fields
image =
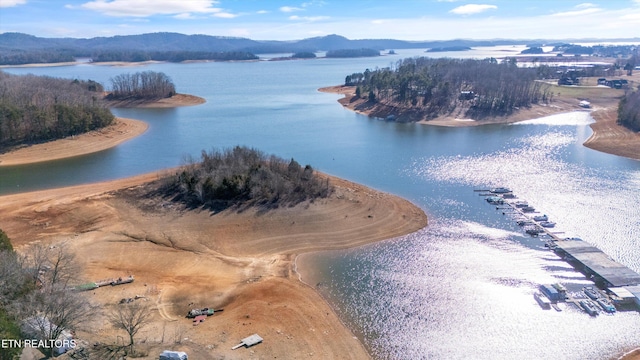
{"x": 176, "y": 100}
{"x": 607, "y": 135}
{"x": 240, "y": 261}
{"x": 94, "y": 141}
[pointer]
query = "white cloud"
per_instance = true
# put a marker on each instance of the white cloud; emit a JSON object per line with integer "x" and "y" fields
{"x": 574, "y": 13}
{"x": 289, "y": 9}
{"x": 11, "y": 3}
{"x": 184, "y": 16}
{"x": 225, "y": 15}
{"x": 143, "y": 8}
{"x": 586, "y": 6}
{"x": 470, "y": 9}
{"x": 262, "y": 12}
{"x": 308, "y": 18}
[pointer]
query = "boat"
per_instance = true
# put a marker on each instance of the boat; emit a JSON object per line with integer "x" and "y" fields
{"x": 589, "y": 307}
{"x": 508, "y": 196}
{"x": 547, "y": 224}
{"x": 495, "y": 200}
{"x": 525, "y": 222}
{"x": 205, "y": 311}
{"x": 542, "y": 301}
{"x": 541, "y": 218}
{"x": 591, "y": 292}
{"x": 606, "y": 305}
{"x": 520, "y": 204}
{"x": 534, "y": 230}
{"x": 528, "y": 209}
{"x": 500, "y": 190}
{"x": 561, "y": 289}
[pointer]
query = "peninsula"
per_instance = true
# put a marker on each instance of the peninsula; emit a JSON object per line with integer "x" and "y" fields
{"x": 242, "y": 261}
{"x": 608, "y": 136}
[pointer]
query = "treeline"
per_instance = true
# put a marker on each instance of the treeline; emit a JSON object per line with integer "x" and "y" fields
{"x": 439, "y": 86}
{"x": 146, "y": 85}
{"x": 598, "y": 50}
{"x": 244, "y": 176}
{"x": 304, "y": 55}
{"x": 170, "y": 56}
{"x": 629, "y": 110}
{"x": 18, "y": 57}
{"x": 449, "y": 48}
{"x": 351, "y": 53}
{"x": 41, "y": 108}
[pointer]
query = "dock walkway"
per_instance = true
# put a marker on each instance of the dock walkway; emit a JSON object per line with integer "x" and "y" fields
{"x": 590, "y": 260}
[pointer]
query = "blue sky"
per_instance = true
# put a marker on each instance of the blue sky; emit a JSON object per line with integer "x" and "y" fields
{"x": 355, "y": 19}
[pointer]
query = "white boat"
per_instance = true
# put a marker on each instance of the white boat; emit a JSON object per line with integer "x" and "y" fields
{"x": 606, "y": 305}
{"x": 541, "y": 218}
{"x": 500, "y": 190}
{"x": 542, "y": 301}
{"x": 547, "y": 224}
{"x": 589, "y": 307}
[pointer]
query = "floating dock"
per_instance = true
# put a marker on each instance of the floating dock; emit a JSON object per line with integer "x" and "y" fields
{"x": 593, "y": 262}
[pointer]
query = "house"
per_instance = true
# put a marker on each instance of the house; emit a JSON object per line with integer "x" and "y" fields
{"x": 39, "y": 328}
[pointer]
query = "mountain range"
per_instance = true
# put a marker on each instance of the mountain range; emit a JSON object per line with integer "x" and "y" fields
{"x": 165, "y": 41}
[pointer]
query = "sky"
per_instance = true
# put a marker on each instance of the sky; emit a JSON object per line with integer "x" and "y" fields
{"x": 300, "y": 19}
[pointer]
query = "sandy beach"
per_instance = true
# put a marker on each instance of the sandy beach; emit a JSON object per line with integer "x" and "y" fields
{"x": 182, "y": 259}
{"x": 87, "y": 143}
{"x": 176, "y": 100}
{"x": 611, "y": 138}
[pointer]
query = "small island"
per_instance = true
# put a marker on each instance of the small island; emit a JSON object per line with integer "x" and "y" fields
{"x": 448, "y": 48}
{"x": 352, "y": 53}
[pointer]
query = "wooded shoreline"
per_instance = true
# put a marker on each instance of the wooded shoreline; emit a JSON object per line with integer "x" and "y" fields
{"x": 607, "y": 135}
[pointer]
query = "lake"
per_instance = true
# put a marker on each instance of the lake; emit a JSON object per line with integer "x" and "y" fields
{"x": 460, "y": 288}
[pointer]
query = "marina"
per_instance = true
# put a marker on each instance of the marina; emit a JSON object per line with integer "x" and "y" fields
{"x": 621, "y": 285}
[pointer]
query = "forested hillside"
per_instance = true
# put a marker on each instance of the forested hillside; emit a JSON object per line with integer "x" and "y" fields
{"x": 40, "y": 108}
{"x": 478, "y": 88}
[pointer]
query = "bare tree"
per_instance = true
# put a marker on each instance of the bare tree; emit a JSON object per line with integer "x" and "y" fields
{"x": 131, "y": 318}
{"x": 62, "y": 267}
{"x": 13, "y": 277}
{"x": 51, "y": 267}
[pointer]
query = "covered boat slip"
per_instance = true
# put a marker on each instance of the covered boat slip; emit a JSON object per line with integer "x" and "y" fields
{"x": 598, "y": 263}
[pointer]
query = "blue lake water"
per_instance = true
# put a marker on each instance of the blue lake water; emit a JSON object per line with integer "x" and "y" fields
{"x": 460, "y": 288}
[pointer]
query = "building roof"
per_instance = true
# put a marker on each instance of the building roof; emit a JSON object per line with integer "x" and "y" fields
{"x": 599, "y": 263}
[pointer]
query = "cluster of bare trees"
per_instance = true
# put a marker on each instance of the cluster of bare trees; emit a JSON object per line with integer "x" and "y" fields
{"x": 38, "y": 301}
{"x": 142, "y": 85}
{"x": 440, "y": 86}
{"x": 244, "y": 175}
{"x": 629, "y": 110}
{"x": 40, "y": 108}
{"x": 35, "y": 296}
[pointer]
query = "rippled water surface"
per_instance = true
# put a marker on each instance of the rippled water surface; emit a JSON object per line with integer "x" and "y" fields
{"x": 460, "y": 288}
